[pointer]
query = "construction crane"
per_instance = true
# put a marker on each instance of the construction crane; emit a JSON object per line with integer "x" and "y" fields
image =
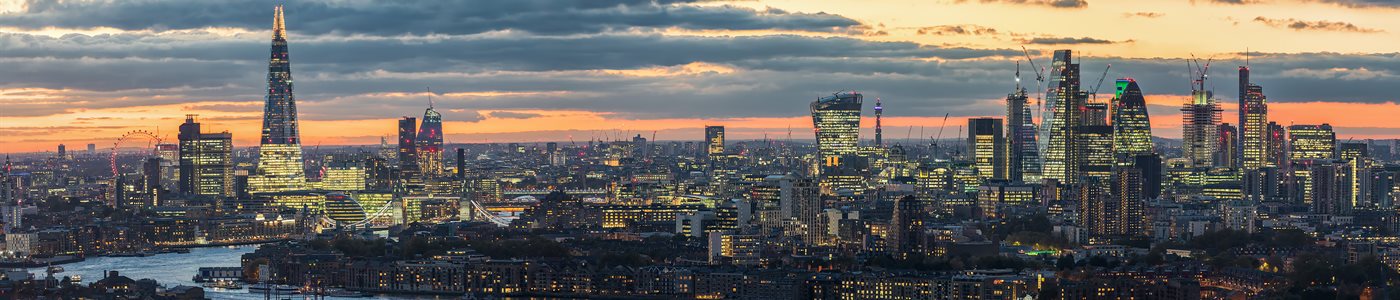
{"x": 1039, "y": 75}
{"x": 934, "y": 144}
{"x": 1095, "y": 92}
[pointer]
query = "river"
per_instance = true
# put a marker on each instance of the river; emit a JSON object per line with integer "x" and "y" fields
{"x": 172, "y": 269}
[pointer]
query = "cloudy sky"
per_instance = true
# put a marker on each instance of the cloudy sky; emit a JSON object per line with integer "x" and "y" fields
{"x": 78, "y": 72}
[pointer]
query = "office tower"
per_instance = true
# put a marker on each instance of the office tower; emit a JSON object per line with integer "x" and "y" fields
{"x": 462, "y": 162}
{"x": 1311, "y": 142}
{"x": 1254, "y": 131}
{"x": 1358, "y": 159}
{"x": 1132, "y": 131}
{"x": 1096, "y": 206}
{"x": 1094, "y": 145}
{"x": 344, "y": 174}
{"x": 807, "y": 209}
{"x": 1329, "y": 187}
{"x": 1262, "y": 184}
{"x": 429, "y": 142}
{"x": 1199, "y": 119}
{"x": 62, "y": 150}
{"x": 906, "y": 227}
{"x": 1129, "y": 194}
{"x": 1276, "y": 150}
{"x": 879, "y": 109}
{"x": 379, "y": 174}
{"x": 1151, "y": 166}
{"x": 91, "y": 149}
{"x": 1023, "y": 154}
{"x": 206, "y": 160}
{"x": 714, "y": 141}
{"x": 151, "y": 172}
{"x": 1065, "y": 99}
{"x": 410, "y": 174}
{"x": 987, "y": 146}
{"x": 169, "y": 165}
{"x": 280, "y": 165}
{"x": 1227, "y": 139}
{"x": 836, "y": 119}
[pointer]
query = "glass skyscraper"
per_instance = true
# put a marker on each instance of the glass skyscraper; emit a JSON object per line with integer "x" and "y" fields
{"x": 1254, "y": 125}
{"x": 987, "y": 146}
{"x": 1023, "y": 155}
{"x": 836, "y": 119}
{"x": 1132, "y": 130}
{"x": 429, "y": 142}
{"x": 205, "y": 160}
{"x": 1311, "y": 142}
{"x": 1199, "y": 132}
{"x": 1064, "y": 99}
{"x": 280, "y": 165}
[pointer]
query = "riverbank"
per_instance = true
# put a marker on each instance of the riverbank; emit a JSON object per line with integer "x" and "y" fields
{"x": 42, "y": 262}
{"x": 226, "y": 244}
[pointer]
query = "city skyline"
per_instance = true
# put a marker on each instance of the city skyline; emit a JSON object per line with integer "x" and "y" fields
{"x": 920, "y": 67}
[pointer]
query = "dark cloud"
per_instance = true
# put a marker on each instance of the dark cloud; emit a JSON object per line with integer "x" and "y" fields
{"x": 550, "y": 17}
{"x": 513, "y": 115}
{"x": 966, "y": 29}
{"x": 1363, "y": 3}
{"x": 1050, "y": 3}
{"x": 1068, "y": 41}
{"x": 1237, "y": 2}
{"x": 1301, "y": 25}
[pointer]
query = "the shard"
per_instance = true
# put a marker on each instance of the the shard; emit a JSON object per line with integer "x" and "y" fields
{"x": 280, "y": 165}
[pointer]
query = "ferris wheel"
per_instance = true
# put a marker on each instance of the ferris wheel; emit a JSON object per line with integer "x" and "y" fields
{"x": 151, "y": 141}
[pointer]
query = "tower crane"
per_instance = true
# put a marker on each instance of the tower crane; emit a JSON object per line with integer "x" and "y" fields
{"x": 1095, "y": 92}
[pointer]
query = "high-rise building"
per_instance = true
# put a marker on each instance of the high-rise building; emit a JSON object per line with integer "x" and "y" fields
{"x": 836, "y": 119}
{"x": 1064, "y": 99}
{"x": 1129, "y": 194}
{"x": 1329, "y": 187}
{"x": 1254, "y": 125}
{"x": 429, "y": 142}
{"x": 91, "y": 149}
{"x": 714, "y": 141}
{"x": 1094, "y": 145}
{"x": 280, "y": 165}
{"x": 1132, "y": 130}
{"x": 62, "y": 150}
{"x": 1276, "y": 150}
{"x": 1311, "y": 142}
{"x": 906, "y": 227}
{"x": 1151, "y": 167}
{"x": 410, "y": 174}
{"x": 1023, "y": 154}
{"x": 206, "y": 160}
{"x": 1227, "y": 139}
{"x": 1199, "y": 119}
{"x": 987, "y": 146}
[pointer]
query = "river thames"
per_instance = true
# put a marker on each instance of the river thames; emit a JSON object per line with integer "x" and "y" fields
{"x": 173, "y": 269}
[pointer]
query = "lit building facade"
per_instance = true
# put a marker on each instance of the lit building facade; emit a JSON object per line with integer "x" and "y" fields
{"x": 280, "y": 165}
{"x": 1254, "y": 132}
{"x": 205, "y": 161}
{"x": 1227, "y": 145}
{"x": 1022, "y": 151}
{"x": 1132, "y": 130}
{"x": 429, "y": 143}
{"x": 1064, "y": 99}
{"x": 714, "y": 141}
{"x": 1311, "y": 142}
{"x": 988, "y": 147}
{"x": 836, "y": 119}
{"x": 1199, "y": 134}
{"x": 410, "y": 173}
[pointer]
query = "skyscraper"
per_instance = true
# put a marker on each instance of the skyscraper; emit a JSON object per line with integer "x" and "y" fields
{"x": 280, "y": 165}
{"x": 1132, "y": 130}
{"x": 714, "y": 141}
{"x": 429, "y": 142}
{"x": 206, "y": 160}
{"x": 1227, "y": 139}
{"x": 1311, "y": 142}
{"x": 410, "y": 173}
{"x": 1199, "y": 132}
{"x": 836, "y": 119}
{"x": 1064, "y": 98}
{"x": 906, "y": 226}
{"x": 1023, "y": 155}
{"x": 987, "y": 146}
{"x": 1254, "y": 125}
{"x": 1276, "y": 150}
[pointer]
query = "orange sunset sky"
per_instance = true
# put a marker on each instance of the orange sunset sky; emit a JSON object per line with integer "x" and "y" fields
{"x": 552, "y": 70}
